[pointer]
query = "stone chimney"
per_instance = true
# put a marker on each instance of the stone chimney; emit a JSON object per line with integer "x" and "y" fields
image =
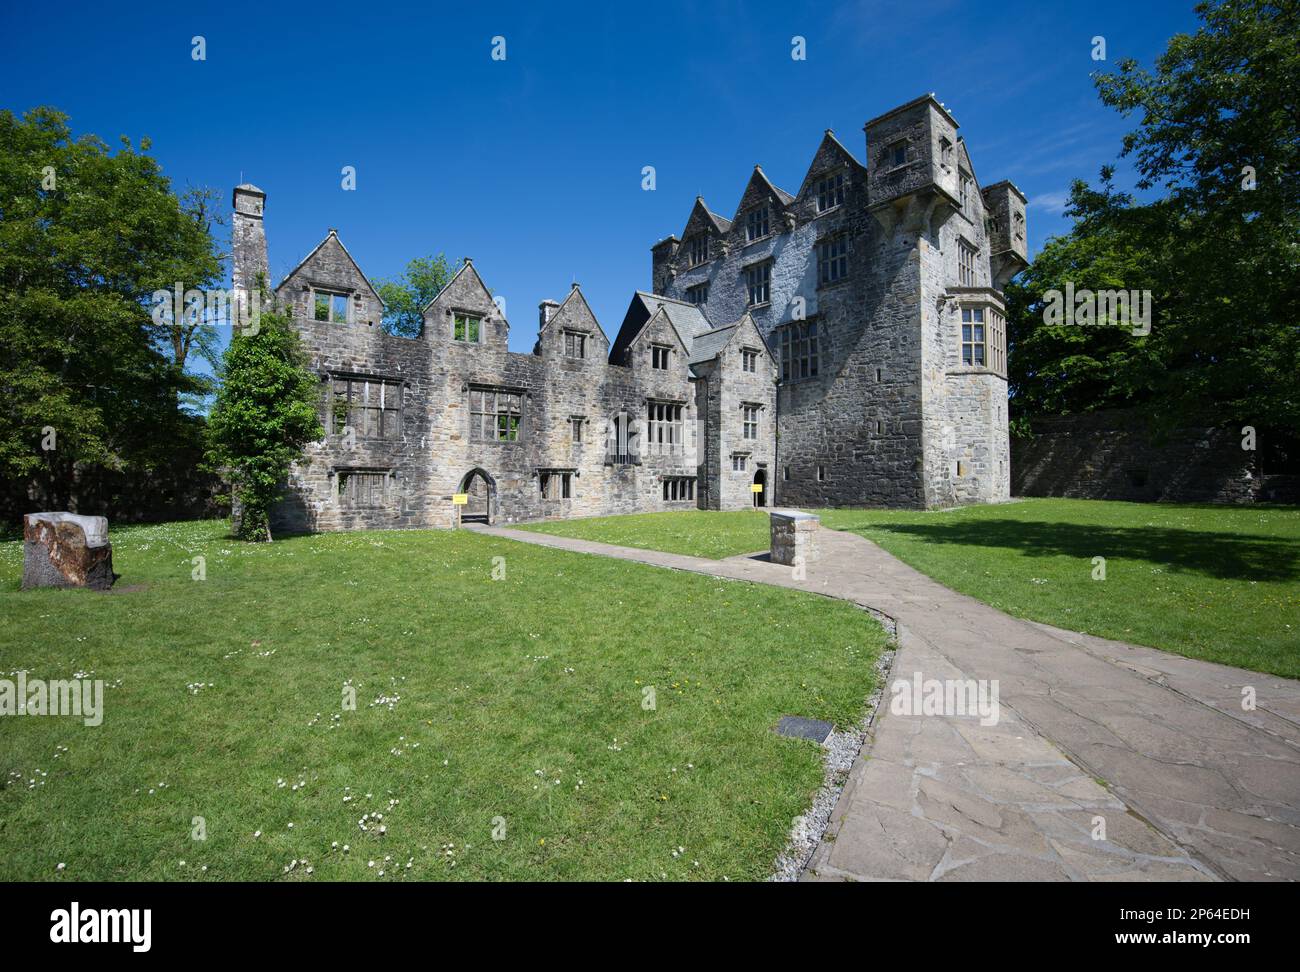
{"x": 248, "y": 240}
{"x": 545, "y": 311}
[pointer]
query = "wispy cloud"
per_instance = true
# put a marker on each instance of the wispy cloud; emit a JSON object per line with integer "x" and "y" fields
{"x": 1050, "y": 202}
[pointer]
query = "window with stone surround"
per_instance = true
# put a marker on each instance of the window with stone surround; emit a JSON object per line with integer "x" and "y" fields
{"x": 678, "y": 488}
{"x": 698, "y": 294}
{"x": 830, "y": 191}
{"x": 967, "y": 195}
{"x": 973, "y": 342}
{"x": 748, "y": 360}
{"x": 575, "y": 344}
{"x": 555, "y": 484}
{"x": 495, "y": 415}
{"x": 575, "y": 424}
{"x": 371, "y": 407}
{"x": 821, "y": 474}
{"x": 832, "y": 260}
{"x": 362, "y": 488}
{"x": 758, "y": 283}
{"x": 800, "y": 352}
{"x": 897, "y": 153}
{"x": 749, "y": 416}
{"x": 965, "y": 264}
{"x": 466, "y": 327}
{"x": 664, "y": 428}
{"x": 331, "y": 306}
{"x": 756, "y": 224}
{"x": 697, "y": 250}
{"x": 740, "y": 462}
{"x": 945, "y": 151}
{"x": 660, "y": 355}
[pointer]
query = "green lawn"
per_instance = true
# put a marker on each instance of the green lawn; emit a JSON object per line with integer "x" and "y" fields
{"x": 697, "y": 533}
{"x": 1214, "y": 582}
{"x": 515, "y": 704}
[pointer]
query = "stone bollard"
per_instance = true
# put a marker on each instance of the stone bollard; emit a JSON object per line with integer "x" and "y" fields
{"x": 67, "y": 550}
{"x": 794, "y": 535}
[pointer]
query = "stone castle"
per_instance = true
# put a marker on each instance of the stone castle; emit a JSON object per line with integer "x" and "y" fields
{"x": 841, "y": 345}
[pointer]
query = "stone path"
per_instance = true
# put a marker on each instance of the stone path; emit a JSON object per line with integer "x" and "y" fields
{"x": 1154, "y": 746}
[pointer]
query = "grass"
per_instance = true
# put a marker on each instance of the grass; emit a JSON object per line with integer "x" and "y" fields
{"x": 697, "y": 533}
{"x": 514, "y": 705}
{"x": 1214, "y": 582}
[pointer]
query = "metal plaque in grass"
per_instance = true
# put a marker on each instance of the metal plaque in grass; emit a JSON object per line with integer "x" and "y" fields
{"x": 798, "y": 727}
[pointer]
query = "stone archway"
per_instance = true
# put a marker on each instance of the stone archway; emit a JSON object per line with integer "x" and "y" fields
{"x": 760, "y": 479}
{"x": 481, "y": 493}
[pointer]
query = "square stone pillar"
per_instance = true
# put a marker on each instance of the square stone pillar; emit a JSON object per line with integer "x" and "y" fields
{"x": 794, "y": 537}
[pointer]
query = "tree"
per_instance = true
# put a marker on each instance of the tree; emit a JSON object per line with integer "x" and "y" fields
{"x": 407, "y": 296}
{"x": 265, "y": 413}
{"x": 89, "y": 394}
{"x": 1219, "y": 135}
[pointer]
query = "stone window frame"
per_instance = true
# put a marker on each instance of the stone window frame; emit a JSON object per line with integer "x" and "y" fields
{"x": 352, "y": 483}
{"x": 751, "y": 417}
{"x": 740, "y": 462}
{"x": 678, "y": 489}
{"x": 945, "y": 150}
{"x": 832, "y": 259}
{"x": 832, "y": 191}
{"x": 622, "y": 440}
{"x": 758, "y": 218}
{"x": 891, "y": 153}
{"x": 967, "y": 253}
{"x": 758, "y": 282}
{"x": 700, "y": 290}
{"x": 574, "y": 340}
{"x": 576, "y": 424}
{"x": 966, "y": 193}
{"x": 400, "y": 385}
{"x": 467, "y": 316}
{"x": 488, "y": 420}
{"x": 556, "y": 484}
{"x": 800, "y": 345}
{"x": 661, "y": 356}
{"x": 749, "y": 360}
{"x": 665, "y": 427}
{"x": 332, "y": 293}
{"x": 992, "y": 322}
{"x": 697, "y": 250}
{"x": 822, "y": 475}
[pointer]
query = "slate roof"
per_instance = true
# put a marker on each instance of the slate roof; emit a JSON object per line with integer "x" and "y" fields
{"x": 706, "y": 346}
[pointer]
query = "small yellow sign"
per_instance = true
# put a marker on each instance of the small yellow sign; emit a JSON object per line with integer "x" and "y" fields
{"x": 756, "y": 488}
{"x": 460, "y": 499}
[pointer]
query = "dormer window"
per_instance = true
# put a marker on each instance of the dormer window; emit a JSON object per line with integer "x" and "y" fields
{"x": 331, "y": 306}
{"x": 697, "y": 250}
{"x": 659, "y": 356}
{"x": 967, "y": 195}
{"x": 756, "y": 224}
{"x": 575, "y": 344}
{"x": 748, "y": 360}
{"x": 830, "y": 192}
{"x": 466, "y": 327}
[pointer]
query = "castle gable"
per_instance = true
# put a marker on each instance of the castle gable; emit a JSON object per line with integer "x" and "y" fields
{"x": 464, "y": 312}
{"x": 329, "y": 286}
{"x": 831, "y": 156}
{"x": 761, "y": 191}
{"x": 575, "y": 317}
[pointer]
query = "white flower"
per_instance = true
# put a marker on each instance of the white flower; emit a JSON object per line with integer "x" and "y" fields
{"x": 61, "y": 866}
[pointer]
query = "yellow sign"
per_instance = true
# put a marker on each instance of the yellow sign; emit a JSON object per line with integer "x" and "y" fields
{"x": 460, "y": 499}
{"x": 756, "y": 488}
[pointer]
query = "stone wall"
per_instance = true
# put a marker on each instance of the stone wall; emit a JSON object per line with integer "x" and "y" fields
{"x": 1114, "y": 455}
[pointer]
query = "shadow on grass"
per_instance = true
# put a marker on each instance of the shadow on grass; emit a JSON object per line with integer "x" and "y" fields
{"x": 1226, "y": 556}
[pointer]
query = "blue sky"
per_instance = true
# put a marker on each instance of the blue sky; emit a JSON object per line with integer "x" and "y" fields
{"x": 532, "y": 165}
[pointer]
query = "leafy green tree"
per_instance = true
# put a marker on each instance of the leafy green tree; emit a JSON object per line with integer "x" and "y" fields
{"x": 265, "y": 413}
{"x": 86, "y": 237}
{"x": 1219, "y": 137}
{"x": 406, "y": 296}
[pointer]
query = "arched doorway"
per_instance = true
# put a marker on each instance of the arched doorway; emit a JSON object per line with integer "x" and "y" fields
{"x": 760, "y": 496}
{"x": 480, "y": 491}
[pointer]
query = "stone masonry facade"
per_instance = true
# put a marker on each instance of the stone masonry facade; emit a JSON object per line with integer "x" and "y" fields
{"x": 838, "y": 346}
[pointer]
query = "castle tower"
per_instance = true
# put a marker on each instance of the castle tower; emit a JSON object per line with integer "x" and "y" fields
{"x": 248, "y": 240}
